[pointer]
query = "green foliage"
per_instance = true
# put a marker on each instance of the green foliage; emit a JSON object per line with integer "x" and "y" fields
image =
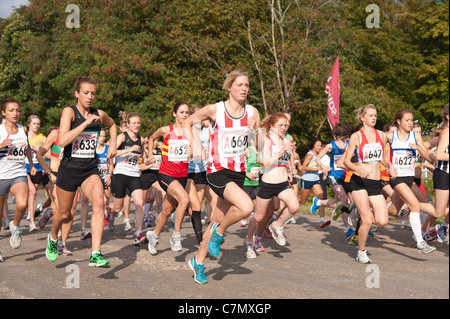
{"x": 148, "y": 54}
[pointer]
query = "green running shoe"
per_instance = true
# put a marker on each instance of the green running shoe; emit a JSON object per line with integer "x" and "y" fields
{"x": 97, "y": 260}
{"x": 337, "y": 211}
{"x": 52, "y": 249}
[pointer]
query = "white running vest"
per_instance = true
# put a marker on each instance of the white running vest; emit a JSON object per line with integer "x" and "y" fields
{"x": 12, "y": 158}
{"x": 403, "y": 156}
{"x": 228, "y": 140}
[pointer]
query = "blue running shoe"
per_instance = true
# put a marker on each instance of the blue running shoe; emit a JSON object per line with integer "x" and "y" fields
{"x": 214, "y": 241}
{"x": 199, "y": 271}
{"x": 349, "y": 233}
{"x": 315, "y": 205}
{"x": 172, "y": 220}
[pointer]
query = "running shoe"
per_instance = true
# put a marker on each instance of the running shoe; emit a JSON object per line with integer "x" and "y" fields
{"x": 431, "y": 235}
{"x": 16, "y": 236}
{"x": 1, "y": 258}
{"x": 5, "y": 224}
{"x": 62, "y": 250}
{"x": 251, "y": 253}
{"x": 362, "y": 258}
{"x": 152, "y": 241}
{"x": 267, "y": 233}
{"x": 441, "y": 230}
{"x": 33, "y": 226}
{"x": 324, "y": 223}
{"x": 424, "y": 248}
{"x": 277, "y": 233}
{"x": 85, "y": 234}
{"x": 291, "y": 221}
{"x": 140, "y": 239}
{"x": 52, "y": 249}
{"x": 315, "y": 205}
{"x": 215, "y": 240}
{"x": 111, "y": 223}
{"x": 172, "y": 220}
{"x": 106, "y": 218}
{"x": 147, "y": 222}
{"x": 38, "y": 210}
{"x": 353, "y": 240}
{"x": 258, "y": 245}
{"x": 243, "y": 222}
{"x": 97, "y": 260}
{"x": 175, "y": 242}
{"x": 199, "y": 271}
{"x": 337, "y": 211}
{"x": 45, "y": 217}
{"x": 405, "y": 225}
{"x": 349, "y": 233}
{"x": 127, "y": 224}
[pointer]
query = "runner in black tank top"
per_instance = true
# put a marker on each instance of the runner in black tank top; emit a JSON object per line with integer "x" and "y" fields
{"x": 78, "y": 132}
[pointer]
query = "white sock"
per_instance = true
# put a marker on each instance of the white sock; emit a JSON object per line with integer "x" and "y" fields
{"x": 416, "y": 225}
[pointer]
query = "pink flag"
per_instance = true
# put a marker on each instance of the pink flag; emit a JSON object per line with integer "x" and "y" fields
{"x": 332, "y": 89}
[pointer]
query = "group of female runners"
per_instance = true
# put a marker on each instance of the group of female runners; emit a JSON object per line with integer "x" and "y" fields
{"x": 246, "y": 169}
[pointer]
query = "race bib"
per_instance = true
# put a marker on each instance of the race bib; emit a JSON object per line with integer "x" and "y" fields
{"x": 283, "y": 160}
{"x": 255, "y": 170}
{"x": 234, "y": 141}
{"x": 17, "y": 152}
{"x": 103, "y": 168}
{"x": 131, "y": 162}
{"x": 178, "y": 151}
{"x": 372, "y": 153}
{"x": 157, "y": 162}
{"x": 403, "y": 160}
{"x": 336, "y": 161}
{"x": 85, "y": 144}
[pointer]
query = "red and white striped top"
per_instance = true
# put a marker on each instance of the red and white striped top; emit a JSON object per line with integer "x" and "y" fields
{"x": 228, "y": 140}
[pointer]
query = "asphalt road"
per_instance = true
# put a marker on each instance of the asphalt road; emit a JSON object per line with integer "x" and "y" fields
{"x": 315, "y": 264}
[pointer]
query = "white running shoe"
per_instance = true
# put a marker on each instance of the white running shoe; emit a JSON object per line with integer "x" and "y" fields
{"x": 362, "y": 258}
{"x": 152, "y": 241}
{"x": 251, "y": 253}
{"x": 277, "y": 234}
{"x": 16, "y": 236}
{"x": 175, "y": 243}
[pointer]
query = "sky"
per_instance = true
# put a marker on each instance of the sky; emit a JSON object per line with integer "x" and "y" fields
{"x": 7, "y": 6}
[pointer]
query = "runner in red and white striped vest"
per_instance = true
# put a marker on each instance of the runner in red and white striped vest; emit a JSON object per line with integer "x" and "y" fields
{"x": 228, "y": 140}
{"x": 234, "y": 123}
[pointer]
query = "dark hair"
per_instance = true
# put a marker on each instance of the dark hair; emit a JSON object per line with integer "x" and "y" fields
{"x": 52, "y": 128}
{"x": 400, "y": 113}
{"x": 388, "y": 126}
{"x": 342, "y": 130}
{"x": 313, "y": 142}
{"x": 6, "y": 101}
{"x": 177, "y": 106}
{"x": 83, "y": 79}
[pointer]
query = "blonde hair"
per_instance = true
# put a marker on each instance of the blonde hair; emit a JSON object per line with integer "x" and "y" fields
{"x": 32, "y": 117}
{"x": 231, "y": 77}
{"x": 127, "y": 116}
{"x": 362, "y": 110}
